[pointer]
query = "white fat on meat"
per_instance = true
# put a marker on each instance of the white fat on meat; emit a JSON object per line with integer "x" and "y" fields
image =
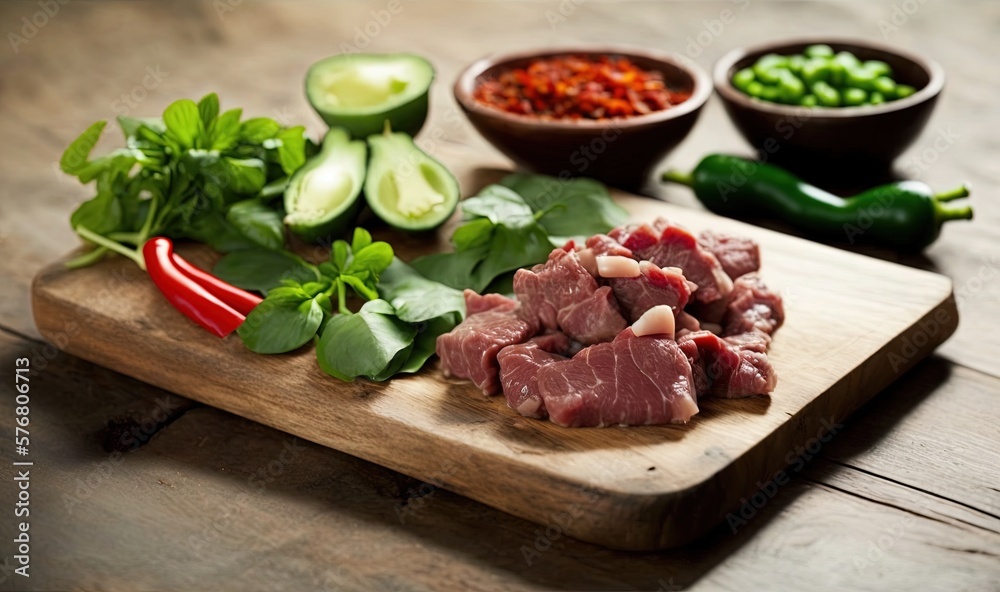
{"x": 658, "y": 320}
{"x": 616, "y": 266}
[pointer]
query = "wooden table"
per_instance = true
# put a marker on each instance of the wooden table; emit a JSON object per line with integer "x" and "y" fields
{"x": 907, "y": 495}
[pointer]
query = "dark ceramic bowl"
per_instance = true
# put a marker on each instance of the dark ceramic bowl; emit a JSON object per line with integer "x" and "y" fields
{"x": 620, "y": 151}
{"x": 865, "y": 138}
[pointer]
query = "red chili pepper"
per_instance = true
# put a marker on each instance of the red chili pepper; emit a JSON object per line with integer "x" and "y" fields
{"x": 240, "y": 300}
{"x": 187, "y": 295}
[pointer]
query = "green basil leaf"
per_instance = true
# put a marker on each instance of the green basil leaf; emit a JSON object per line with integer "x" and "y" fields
{"x": 373, "y": 258}
{"x": 500, "y": 205}
{"x": 212, "y": 229}
{"x": 510, "y": 249}
{"x": 571, "y": 207}
{"x": 472, "y": 234}
{"x": 292, "y": 149}
{"x": 183, "y": 122}
{"x": 263, "y": 270}
{"x": 208, "y": 109}
{"x": 362, "y": 238}
{"x": 258, "y": 129}
{"x": 339, "y": 255}
{"x": 102, "y": 214}
{"x": 281, "y": 325}
{"x": 425, "y": 343}
{"x": 416, "y": 298}
{"x": 368, "y": 343}
{"x": 245, "y": 176}
{"x": 452, "y": 269}
{"x": 77, "y": 156}
{"x": 258, "y": 223}
{"x": 224, "y": 132}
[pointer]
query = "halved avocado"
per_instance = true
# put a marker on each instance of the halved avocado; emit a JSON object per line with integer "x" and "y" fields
{"x": 323, "y": 197}
{"x": 359, "y": 92}
{"x": 407, "y": 188}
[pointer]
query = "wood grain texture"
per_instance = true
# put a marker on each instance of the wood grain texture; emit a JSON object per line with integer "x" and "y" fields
{"x": 854, "y": 324}
{"x": 209, "y": 504}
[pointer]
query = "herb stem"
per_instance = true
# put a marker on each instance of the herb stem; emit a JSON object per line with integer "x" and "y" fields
{"x": 111, "y": 245}
{"x": 342, "y": 298}
{"x": 89, "y": 258}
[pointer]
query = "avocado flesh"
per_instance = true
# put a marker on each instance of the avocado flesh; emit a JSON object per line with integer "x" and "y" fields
{"x": 323, "y": 197}
{"x": 360, "y": 92}
{"x": 407, "y": 188}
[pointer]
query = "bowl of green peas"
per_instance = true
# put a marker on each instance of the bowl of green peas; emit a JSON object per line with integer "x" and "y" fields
{"x": 829, "y": 104}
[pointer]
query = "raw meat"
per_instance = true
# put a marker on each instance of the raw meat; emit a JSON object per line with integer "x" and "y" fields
{"x": 629, "y": 381}
{"x": 753, "y": 307}
{"x": 593, "y": 320}
{"x": 519, "y": 366}
{"x": 669, "y": 245}
{"x": 470, "y": 349}
{"x": 653, "y": 287}
{"x": 602, "y": 244}
{"x": 475, "y": 303}
{"x": 724, "y": 370}
{"x": 563, "y": 295}
{"x": 738, "y": 255}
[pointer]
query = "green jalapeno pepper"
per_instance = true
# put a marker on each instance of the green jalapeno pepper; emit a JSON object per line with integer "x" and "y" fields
{"x": 904, "y": 215}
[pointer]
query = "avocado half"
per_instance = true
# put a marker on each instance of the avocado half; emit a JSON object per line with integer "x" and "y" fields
{"x": 324, "y": 196}
{"x": 359, "y": 92}
{"x": 405, "y": 186}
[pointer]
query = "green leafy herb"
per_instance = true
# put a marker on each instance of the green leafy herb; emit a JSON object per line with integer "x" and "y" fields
{"x": 571, "y": 207}
{"x": 287, "y": 319}
{"x": 263, "y": 270}
{"x": 373, "y": 343}
{"x": 516, "y": 224}
{"x": 417, "y": 299}
{"x": 195, "y": 173}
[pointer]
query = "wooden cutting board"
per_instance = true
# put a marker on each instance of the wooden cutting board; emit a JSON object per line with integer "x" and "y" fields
{"x": 854, "y": 324}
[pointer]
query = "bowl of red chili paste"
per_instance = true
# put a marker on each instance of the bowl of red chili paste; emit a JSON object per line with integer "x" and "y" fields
{"x": 611, "y": 114}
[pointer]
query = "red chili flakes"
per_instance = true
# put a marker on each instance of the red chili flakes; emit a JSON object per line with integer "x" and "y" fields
{"x": 579, "y": 87}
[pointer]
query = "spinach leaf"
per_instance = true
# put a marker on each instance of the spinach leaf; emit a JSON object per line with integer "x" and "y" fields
{"x": 452, "y": 269}
{"x": 500, "y": 205}
{"x": 286, "y": 320}
{"x": 511, "y": 248}
{"x": 373, "y": 343}
{"x": 263, "y": 270}
{"x": 101, "y": 214}
{"x": 184, "y": 125}
{"x": 570, "y": 207}
{"x": 257, "y": 222}
{"x": 425, "y": 343}
{"x": 416, "y": 298}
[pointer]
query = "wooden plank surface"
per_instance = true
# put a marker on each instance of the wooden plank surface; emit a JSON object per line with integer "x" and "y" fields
{"x": 74, "y": 69}
{"x": 637, "y": 488}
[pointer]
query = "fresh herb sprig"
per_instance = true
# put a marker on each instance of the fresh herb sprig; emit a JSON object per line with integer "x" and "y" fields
{"x": 394, "y": 332}
{"x": 194, "y": 173}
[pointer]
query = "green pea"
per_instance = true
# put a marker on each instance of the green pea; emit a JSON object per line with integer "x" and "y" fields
{"x": 816, "y": 69}
{"x": 881, "y": 68}
{"x": 771, "y": 93}
{"x": 876, "y": 98}
{"x": 884, "y": 85}
{"x": 904, "y": 90}
{"x": 766, "y": 65}
{"x": 755, "y": 89}
{"x": 847, "y": 58}
{"x": 819, "y": 51}
{"x": 791, "y": 88}
{"x": 826, "y": 95}
{"x": 796, "y": 62}
{"x": 808, "y": 101}
{"x": 861, "y": 77}
{"x": 854, "y": 96}
{"x": 840, "y": 65}
{"x": 743, "y": 78}
{"x": 769, "y": 75}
